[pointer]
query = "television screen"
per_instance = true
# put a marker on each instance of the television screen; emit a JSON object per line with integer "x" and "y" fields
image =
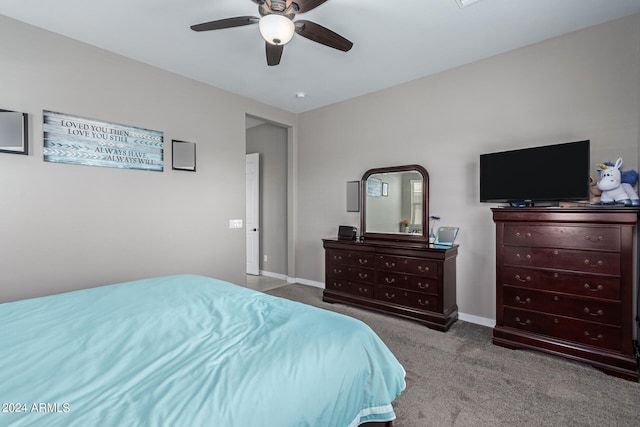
{"x": 549, "y": 173}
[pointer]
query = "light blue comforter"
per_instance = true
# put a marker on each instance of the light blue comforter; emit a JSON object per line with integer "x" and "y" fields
{"x": 189, "y": 351}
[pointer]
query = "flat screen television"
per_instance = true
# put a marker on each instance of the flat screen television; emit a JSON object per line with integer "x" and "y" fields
{"x": 538, "y": 175}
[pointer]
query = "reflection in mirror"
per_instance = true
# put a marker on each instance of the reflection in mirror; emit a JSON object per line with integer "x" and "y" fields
{"x": 395, "y": 203}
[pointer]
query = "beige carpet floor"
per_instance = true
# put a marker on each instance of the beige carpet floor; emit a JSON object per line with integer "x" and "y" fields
{"x": 459, "y": 378}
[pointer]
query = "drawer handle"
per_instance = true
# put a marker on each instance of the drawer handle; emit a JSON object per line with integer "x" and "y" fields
{"x": 337, "y": 257}
{"x": 597, "y": 313}
{"x": 389, "y": 280}
{"x": 337, "y": 285}
{"x": 521, "y": 301}
{"x": 392, "y": 296}
{"x": 423, "y": 286}
{"x": 596, "y": 338}
{"x": 523, "y": 257}
{"x": 337, "y": 270}
{"x": 390, "y": 264}
{"x": 518, "y": 234}
{"x": 422, "y": 269}
{"x": 597, "y": 239}
{"x": 363, "y": 275}
{"x": 423, "y": 303}
{"x": 363, "y": 290}
{"x": 525, "y": 323}
{"x": 363, "y": 261}
{"x": 520, "y": 279}
{"x": 596, "y": 289}
{"x": 597, "y": 264}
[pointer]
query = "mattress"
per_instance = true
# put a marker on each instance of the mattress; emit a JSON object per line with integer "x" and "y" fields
{"x": 188, "y": 350}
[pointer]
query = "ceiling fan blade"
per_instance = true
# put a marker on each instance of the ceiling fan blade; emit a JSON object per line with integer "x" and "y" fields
{"x": 307, "y": 5}
{"x": 274, "y": 53}
{"x": 220, "y": 24}
{"x": 320, "y": 34}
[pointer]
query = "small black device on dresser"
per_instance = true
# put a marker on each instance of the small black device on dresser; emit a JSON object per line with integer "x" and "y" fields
{"x": 393, "y": 268}
{"x": 346, "y": 232}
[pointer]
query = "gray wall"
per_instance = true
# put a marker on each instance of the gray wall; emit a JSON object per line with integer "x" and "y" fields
{"x": 582, "y": 85}
{"x": 66, "y": 227}
{"x": 270, "y": 141}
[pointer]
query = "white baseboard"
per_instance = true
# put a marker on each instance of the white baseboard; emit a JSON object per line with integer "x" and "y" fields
{"x": 309, "y": 283}
{"x": 292, "y": 279}
{"x": 275, "y": 275}
{"x": 482, "y": 321}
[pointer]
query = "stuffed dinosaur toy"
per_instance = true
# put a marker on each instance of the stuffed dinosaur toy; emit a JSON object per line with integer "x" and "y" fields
{"x": 614, "y": 188}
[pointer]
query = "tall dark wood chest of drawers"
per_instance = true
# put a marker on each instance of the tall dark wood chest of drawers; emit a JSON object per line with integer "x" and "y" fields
{"x": 411, "y": 280}
{"x": 565, "y": 284}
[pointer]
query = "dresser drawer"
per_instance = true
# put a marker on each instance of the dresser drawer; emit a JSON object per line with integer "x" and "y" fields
{"x": 362, "y": 275}
{"x": 564, "y": 259}
{"x": 572, "y": 237}
{"x": 563, "y": 305}
{"x": 590, "y": 285}
{"x": 361, "y": 289}
{"x": 422, "y": 284}
{"x": 338, "y": 271}
{"x": 337, "y": 257}
{"x": 338, "y": 285}
{"x": 590, "y": 333}
{"x": 425, "y": 267}
{"x": 406, "y": 298}
{"x": 362, "y": 259}
{"x": 350, "y": 287}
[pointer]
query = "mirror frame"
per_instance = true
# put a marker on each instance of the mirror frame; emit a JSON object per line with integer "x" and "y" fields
{"x": 398, "y": 237}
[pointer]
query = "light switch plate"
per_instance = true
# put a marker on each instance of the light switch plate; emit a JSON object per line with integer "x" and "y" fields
{"x": 235, "y": 223}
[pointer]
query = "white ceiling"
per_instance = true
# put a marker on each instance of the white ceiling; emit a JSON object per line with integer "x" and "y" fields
{"x": 394, "y": 41}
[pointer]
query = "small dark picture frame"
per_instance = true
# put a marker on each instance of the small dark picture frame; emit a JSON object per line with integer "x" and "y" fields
{"x": 183, "y": 155}
{"x": 13, "y": 132}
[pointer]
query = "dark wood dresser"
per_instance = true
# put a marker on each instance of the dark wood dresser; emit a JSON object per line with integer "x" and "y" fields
{"x": 410, "y": 280}
{"x": 565, "y": 284}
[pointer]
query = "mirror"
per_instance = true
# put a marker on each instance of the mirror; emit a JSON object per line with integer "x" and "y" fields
{"x": 395, "y": 203}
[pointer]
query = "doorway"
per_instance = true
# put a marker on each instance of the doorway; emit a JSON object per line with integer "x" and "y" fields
{"x": 271, "y": 143}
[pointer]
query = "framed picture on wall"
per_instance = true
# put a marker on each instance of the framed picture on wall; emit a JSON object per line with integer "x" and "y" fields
{"x": 13, "y": 132}
{"x": 183, "y": 155}
{"x": 353, "y": 196}
{"x": 77, "y": 140}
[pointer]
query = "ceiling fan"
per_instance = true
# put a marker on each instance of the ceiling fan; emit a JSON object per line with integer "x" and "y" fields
{"x": 277, "y": 26}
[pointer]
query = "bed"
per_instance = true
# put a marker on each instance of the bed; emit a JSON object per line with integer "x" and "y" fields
{"x": 189, "y": 350}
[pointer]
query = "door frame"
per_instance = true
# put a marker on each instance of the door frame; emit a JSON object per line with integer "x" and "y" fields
{"x": 292, "y": 188}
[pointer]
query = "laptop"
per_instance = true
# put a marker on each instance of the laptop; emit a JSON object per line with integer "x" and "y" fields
{"x": 446, "y": 237}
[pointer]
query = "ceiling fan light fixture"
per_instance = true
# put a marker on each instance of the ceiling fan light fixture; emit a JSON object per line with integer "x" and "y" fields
{"x": 276, "y": 29}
